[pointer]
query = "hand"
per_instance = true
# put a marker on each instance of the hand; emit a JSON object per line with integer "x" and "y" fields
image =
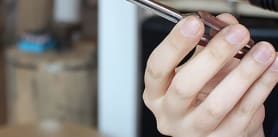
{"x": 212, "y": 94}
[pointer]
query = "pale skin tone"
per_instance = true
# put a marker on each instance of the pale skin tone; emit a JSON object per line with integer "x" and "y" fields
{"x": 212, "y": 94}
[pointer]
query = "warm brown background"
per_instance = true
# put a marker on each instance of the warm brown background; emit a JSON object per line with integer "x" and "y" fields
{"x": 2, "y": 68}
{"x": 2, "y": 89}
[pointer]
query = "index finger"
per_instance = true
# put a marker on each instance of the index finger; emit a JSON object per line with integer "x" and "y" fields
{"x": 164, "y": 59}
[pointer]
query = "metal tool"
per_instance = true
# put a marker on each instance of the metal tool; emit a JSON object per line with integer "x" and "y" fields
{"x": 175, "y": 16}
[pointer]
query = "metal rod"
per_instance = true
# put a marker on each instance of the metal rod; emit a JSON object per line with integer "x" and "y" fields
{"x": 175, "y": 16}
{"x": 159, "y": 9}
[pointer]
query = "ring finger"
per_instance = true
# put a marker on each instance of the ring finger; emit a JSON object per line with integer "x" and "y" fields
{"x": 228, "y": 93}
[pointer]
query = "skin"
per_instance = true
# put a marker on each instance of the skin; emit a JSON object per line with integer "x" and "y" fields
{"x": 212, "y": 94}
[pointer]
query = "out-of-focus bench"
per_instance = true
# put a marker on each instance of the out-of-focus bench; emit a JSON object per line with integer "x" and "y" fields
{"x": 49, "y": 129}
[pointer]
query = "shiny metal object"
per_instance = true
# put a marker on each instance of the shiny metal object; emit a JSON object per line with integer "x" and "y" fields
{"x": 159, "y": 9}
{"x": 175, "y": 16}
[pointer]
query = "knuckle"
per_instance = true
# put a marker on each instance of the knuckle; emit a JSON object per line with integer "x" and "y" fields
{"x": 163, "y": 126}
{"x": 241, "y": 123}
{"x": 174, "y": 43}
{"x": 146, "y": 100}
{"x": 213, "y": 111}
{"x": 261, "y": 114}
{"x": 245, "y": 72}
{"x": 267, "y": 82}
{"x": 197, "y": 126}
{"x": 240, "y": 128}
{"x": 243, "y": 110}
{"x": 180, "y": 90}
{"x": 205, "y": 127}
{"x": 209, "y": 116}
{"x": 154, "y": 105}
{"x": 217, "y": 54}
{"x": 153, "y": 71}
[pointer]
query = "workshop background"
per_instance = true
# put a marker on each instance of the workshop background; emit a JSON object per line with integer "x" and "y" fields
{"x": 48, "y": 70}
{"x": 73, "y": 68}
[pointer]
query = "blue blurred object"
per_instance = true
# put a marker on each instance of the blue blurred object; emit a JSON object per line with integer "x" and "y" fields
{"x": 36, "y": 42}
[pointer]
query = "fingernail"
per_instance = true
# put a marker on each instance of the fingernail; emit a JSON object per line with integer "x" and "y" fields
{"x": 274, "y": 66}
{"x": 235, "y": 35}
{"x": 263, "y": 53}
{"x": 190, "y": 27}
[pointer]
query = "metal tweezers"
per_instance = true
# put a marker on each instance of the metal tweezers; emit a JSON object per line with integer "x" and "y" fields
{"x": 175, "y": 16}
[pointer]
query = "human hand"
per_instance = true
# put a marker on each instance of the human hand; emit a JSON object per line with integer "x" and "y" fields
{"x": 213, "y": 94}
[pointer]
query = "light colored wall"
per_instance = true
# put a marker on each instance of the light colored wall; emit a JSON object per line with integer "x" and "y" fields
{"x": 118, "y": 68}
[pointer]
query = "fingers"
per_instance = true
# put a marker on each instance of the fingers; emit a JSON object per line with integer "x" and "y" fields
{"x": 227, "y": 18}
{"x": 233, "y": 124}
{"x": 256, "y": 123}
{"x": 257, "y": 94}
{"x": 169, "y": 53}
{"x": 197, "y": 72}
{"x": 226, "y": 95}
{"x": 260, "y": 132}
{"x": 251, "y": 103}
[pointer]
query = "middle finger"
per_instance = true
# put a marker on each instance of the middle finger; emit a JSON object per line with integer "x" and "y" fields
{"x": 200, "y": 69}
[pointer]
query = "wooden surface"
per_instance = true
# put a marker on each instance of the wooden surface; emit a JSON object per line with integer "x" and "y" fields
{"x": 48, "y": 130}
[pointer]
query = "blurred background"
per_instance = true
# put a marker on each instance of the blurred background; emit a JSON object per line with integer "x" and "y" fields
{"x": 75, "y": 67}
